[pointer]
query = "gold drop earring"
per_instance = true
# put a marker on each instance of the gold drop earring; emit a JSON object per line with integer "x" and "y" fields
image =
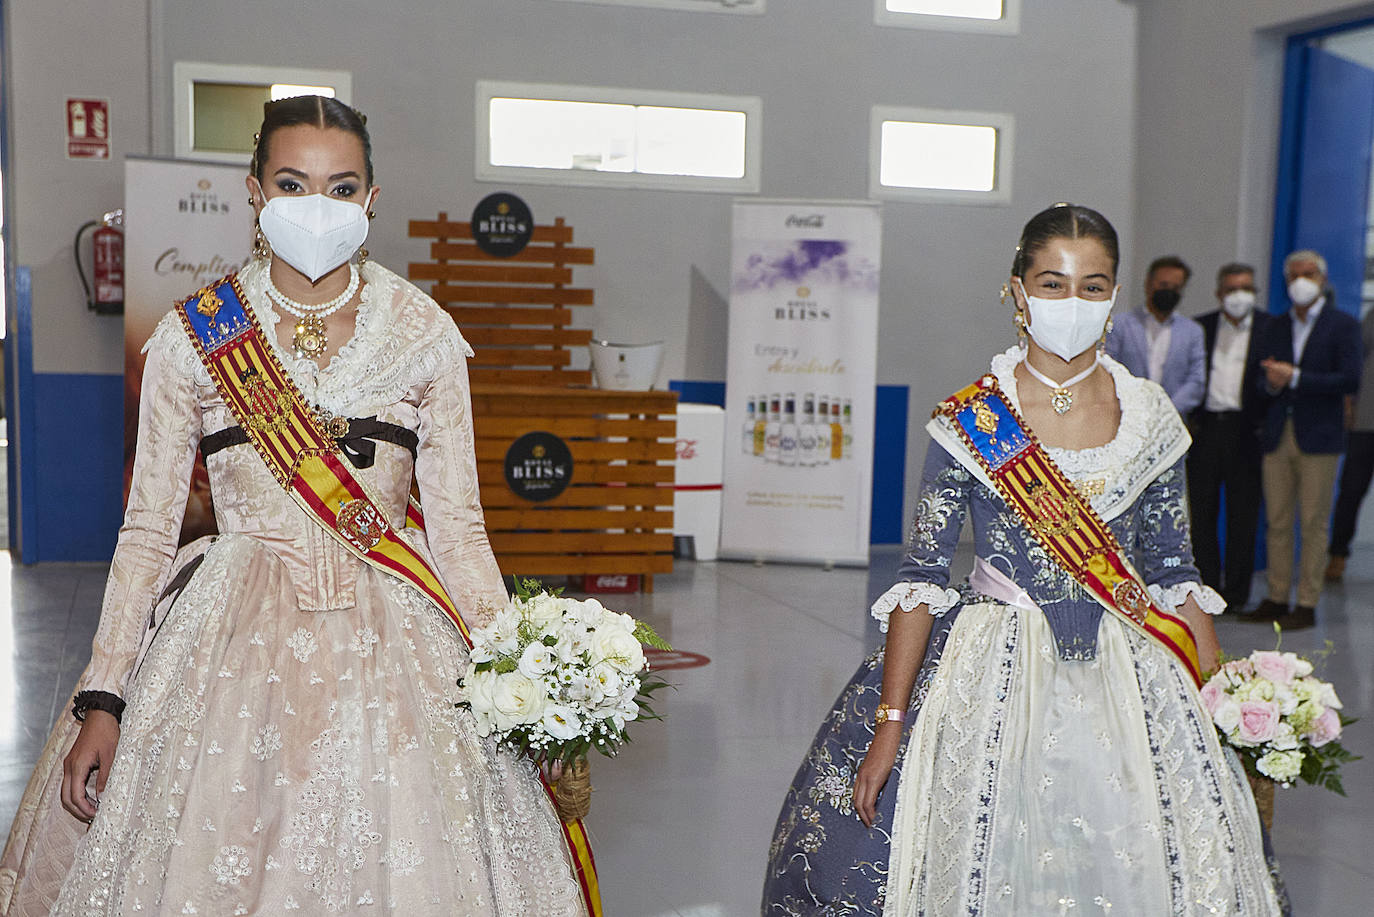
{"x": 362, "y": 252}
{"x": 1018, "y": 316}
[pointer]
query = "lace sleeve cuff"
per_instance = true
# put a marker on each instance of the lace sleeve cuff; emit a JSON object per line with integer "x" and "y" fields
{"x": 908, "y": 596}
{"x": 1171, "y": 597}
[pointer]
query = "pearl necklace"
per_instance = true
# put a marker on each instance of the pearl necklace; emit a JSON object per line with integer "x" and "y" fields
{"x": 309, "y": 338}
{"x": 1061, "y": 399}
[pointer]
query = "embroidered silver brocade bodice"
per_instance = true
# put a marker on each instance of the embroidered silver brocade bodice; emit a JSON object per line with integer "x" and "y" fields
{"x": 1138, "y": 491}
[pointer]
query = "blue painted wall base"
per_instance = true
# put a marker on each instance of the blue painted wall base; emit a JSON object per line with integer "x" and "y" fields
{"x": 77, "y": 480}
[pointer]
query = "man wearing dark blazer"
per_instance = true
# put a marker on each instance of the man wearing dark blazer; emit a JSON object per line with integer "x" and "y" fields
{"x": 1309, "y": 363}
{"x": 1226, "y": 430}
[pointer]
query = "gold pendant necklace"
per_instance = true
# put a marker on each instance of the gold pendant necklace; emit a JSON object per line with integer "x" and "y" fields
{"x": 1061, "y": 399}
{"x": 309, "y": 338}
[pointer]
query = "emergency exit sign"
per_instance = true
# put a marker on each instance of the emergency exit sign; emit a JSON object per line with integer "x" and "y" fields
{"x": 88, "y": 129}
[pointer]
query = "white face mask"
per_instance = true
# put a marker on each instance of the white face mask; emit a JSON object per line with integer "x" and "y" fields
{"x": 1303, "y": 291}
{"x": 1067, "y": 327}
{"x": 313, "y": 233}
{"x": 1238, "y": 303}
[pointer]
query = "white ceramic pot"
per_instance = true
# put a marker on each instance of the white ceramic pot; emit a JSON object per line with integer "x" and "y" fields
{"x": 627, "y": 367}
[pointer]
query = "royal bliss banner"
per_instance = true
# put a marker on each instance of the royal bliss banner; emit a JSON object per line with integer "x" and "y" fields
{"x": 186, "y": 225}
{"x": 800, "y": 381}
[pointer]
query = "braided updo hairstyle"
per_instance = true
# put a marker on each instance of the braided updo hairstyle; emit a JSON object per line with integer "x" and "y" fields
{"x": 1064, "y": 221}
{"x": 317, "y": 111}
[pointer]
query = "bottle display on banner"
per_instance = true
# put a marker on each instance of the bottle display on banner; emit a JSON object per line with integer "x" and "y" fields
{"x": 822, "y": 434}
{"x": 787, "y": 433}
{"x": 801, "y": 376}
{"x": 747, "y": 438}
{"x": 772, "y": 436}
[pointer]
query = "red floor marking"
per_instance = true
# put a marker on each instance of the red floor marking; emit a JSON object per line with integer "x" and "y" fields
{"x": 660, "y": 660}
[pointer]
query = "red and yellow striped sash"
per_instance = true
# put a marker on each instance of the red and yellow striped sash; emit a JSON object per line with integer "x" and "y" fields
{"x": 1059, "y": 516}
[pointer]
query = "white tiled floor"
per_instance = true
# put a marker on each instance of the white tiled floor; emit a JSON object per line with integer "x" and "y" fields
{"x": 681, "y": 821}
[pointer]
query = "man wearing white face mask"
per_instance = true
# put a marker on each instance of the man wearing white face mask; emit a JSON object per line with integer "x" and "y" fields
{"x": 1310, "y": 362}
{"x": 1226, "y": 450}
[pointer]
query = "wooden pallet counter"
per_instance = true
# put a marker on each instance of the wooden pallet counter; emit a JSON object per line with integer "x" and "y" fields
{"x": 616, "y": 515}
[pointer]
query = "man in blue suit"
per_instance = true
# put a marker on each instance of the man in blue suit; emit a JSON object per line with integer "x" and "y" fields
{"x": 1154, "y": 342}
{"x": 1310, "y": 362}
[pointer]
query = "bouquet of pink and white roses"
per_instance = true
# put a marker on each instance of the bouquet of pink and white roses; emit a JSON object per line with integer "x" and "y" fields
{"x": 558, "y": 678}
{"x": 1282, "y": 720}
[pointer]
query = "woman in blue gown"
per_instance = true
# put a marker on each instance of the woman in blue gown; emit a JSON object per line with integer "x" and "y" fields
{"x": 1015, "y": 749}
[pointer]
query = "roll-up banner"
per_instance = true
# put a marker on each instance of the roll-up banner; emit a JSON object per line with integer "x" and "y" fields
{"x": 186, "y": 224}
{"x": 800, "y": 381}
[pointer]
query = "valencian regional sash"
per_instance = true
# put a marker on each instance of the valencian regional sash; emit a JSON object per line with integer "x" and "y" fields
{"x": 1062, "y": 519}
{"x": 299, "y": 449}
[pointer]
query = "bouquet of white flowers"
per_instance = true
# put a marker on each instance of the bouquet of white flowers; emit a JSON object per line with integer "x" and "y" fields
{"x": 557, "y": 678}
{"x": 1281, "y": 719}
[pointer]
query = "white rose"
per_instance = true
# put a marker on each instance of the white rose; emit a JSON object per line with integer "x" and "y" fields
{"x": 561, "y": 722}
{"x": 479, "y": 691}
{"x": 619, "y": 648}
{"x": 606, "y": 682}
{"x": 517, "y": 700}
{"x": 537, "y": 660}
{"x": 1227, "y": 716}
{"x": 1327, "y": 696}
{"x": 544, "y": 611}
{"x": 1301, "y": 667}
{"x": 625, "y": 622}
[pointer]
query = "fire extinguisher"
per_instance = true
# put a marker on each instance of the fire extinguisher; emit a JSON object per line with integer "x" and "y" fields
{"x": 107, "y": 246}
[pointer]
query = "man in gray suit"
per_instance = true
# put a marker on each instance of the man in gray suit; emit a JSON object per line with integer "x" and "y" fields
{"x": 1154, "y": 342}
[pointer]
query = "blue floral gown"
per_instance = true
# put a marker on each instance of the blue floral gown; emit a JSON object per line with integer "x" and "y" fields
{"x": 1054, "y": 760}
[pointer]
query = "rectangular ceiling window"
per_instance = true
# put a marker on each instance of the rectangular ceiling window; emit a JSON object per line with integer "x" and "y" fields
{"x": 959, "y": 15}
{"x": 933, "y": 155}
{"x": 218, "y": 107}
{"x": 743, "y": 7}
{"x": 577, "y": 135}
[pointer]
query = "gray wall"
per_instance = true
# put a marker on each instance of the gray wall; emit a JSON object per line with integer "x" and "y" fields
{"x": 1210, "y": 79}
{"x": 49, "y": 59}
{"x": 662, "y": 257}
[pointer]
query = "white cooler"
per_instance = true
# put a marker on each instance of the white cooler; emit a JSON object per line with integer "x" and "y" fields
{"x": 700, "y": 467}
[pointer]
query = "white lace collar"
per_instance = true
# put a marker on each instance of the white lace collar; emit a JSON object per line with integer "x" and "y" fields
{"x": 1131, "y": 431}
{"x": 374, "y": 312}
{"x": 402, "y": 338}
{"x": 1149, "y": 438}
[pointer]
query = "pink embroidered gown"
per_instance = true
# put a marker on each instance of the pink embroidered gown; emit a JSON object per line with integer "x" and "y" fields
{"x": 291, "y": 743}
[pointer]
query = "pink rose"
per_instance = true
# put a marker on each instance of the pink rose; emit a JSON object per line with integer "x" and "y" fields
{"x": 1280, "y": 668}
{"x": 1212, "y": 694}
{"x": 1259, "y": 721}
{"x": 1325, "y": 728}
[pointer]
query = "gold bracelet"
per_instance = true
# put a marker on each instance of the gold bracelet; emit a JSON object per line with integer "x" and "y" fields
{"x": 886, "y": 713}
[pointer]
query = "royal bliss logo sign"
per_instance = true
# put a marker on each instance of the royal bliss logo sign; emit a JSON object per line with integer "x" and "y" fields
{"x": 502, "y": 225}
{"x": 538, "y": 466}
